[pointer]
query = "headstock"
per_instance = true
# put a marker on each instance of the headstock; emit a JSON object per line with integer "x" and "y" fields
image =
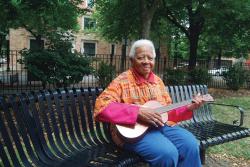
{"x": 206, "y": 97}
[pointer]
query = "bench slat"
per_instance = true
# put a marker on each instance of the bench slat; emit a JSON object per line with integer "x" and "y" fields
{"x": 54, "y": 116}
{"x": 5, "y": 135}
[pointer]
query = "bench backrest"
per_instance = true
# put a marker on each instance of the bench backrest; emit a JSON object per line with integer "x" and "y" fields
{"x": 16, "y": 130}
{"x": 57, "y": 123}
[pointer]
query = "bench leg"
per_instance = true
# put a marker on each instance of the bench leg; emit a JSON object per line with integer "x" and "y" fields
{"x": 202, "y": 155}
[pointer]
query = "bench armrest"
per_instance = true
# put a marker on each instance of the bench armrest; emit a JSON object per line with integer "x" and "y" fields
{"x": 242, "y": 112}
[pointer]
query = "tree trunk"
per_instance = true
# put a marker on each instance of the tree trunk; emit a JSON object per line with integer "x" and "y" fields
{"x": 112, "y": 54}
{"x": 196, "y": 21}
{"x": 219, "y": 58}
{"x": 193, "y": 46}
{"x": 175, "y": 54}
{"x": 145, "y": 31}
{"x": 208, "y": 63}
{"x": 2, "y": 37}
{"x": 124, "y": 54}
{"x": 147, "y": 14}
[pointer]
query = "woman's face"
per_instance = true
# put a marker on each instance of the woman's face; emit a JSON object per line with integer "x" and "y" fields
{"x": 144, "y": 61}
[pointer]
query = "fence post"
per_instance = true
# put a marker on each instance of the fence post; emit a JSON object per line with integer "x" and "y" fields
{"x": 124, "y": 53}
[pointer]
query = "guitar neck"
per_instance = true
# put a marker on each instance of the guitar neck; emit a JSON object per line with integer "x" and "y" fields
{"x": 165, "y": 109}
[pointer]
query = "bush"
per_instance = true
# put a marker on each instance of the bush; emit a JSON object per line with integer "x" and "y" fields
{"x": 57, "y": 64}
{"x": 199, "y": 76}
{"x": 235, "y": 77}
{"x": 181, "y": 76}
{"x": 175, "y": 77}
{"x": 105, "y": 74}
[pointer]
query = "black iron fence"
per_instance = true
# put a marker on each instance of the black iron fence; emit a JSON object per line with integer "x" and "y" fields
{"x": 14, "y": 77}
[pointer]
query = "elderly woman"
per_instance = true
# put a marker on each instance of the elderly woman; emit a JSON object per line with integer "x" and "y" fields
{"x": 165, "y": 144}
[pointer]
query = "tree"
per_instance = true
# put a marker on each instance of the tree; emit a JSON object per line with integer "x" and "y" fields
{"x": 41, "y": 17}
{"x": 192, "y": 17}
{"x": 228, "y": 37}
{"x": 119, "y": 19}
{"x": 189, "y": 17}
{"x": 148, "y": 9}
{"x": 8, "y": 17}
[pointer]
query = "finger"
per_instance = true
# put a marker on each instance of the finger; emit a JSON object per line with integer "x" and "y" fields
{"x": 197, "y": 104}
{"x": 157, "y": 116}
{"x": 196, "y": 95}
{"x": 195, "y": 101}
{"x": 199, "y": 99}
{"x": 159, "y": 122}
{"x": 153, "y": 123}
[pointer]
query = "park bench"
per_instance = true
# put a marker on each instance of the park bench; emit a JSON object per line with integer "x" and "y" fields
{"x": 56, "y": 128}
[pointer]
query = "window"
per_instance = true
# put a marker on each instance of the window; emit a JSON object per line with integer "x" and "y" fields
{"x": 88, "y": 23}
{"x": 90, "y": 3}
{"x": 35, "y": 45}
{"x": 89, "y": 48}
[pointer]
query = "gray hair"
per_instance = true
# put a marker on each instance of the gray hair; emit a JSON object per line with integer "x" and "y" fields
{"x": 141, "y": 43}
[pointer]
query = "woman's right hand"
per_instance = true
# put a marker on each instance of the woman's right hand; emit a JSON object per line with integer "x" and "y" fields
{"x": 149, "y": 116}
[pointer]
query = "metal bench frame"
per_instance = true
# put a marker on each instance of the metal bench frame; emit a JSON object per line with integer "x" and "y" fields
{"x": 56, "y": 128}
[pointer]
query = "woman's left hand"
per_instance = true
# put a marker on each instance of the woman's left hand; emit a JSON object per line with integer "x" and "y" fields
{"x": 197, "y": 103}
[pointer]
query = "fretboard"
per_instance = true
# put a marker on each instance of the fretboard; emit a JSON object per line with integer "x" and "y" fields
{"x": 170, "y": 107}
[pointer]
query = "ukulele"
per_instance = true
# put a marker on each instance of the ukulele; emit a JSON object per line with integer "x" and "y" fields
{"x": 134, "y": 132}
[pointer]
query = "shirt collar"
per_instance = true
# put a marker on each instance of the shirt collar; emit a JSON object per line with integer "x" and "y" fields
{"x": 139, "y": 79}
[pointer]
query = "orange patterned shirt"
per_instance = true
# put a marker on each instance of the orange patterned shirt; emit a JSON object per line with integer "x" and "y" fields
{"x": 130, "y": 88}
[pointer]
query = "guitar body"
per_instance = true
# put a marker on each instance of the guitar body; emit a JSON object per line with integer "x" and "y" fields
{"x": 135, "y": 132}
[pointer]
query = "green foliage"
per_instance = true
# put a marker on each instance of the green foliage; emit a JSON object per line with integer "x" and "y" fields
{"x": 199, "y": 76}
{"x": 105, "y": 74}
{"x": 182, "y": 76}
{"x": 43, "y": 16}
{"x": 8, "y": 16}
{"x": 111, "y": 16}
{"x": 57, "y": 64}
{"x": 235, "y": 76}
{"x": 228, "y": 36}
{"x": 202, "y": 23}
{"x": 39, "y": 17}
{"x": 175, "y": 77}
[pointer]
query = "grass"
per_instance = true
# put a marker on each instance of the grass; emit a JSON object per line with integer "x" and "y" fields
{"x": 239, "y": 148}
